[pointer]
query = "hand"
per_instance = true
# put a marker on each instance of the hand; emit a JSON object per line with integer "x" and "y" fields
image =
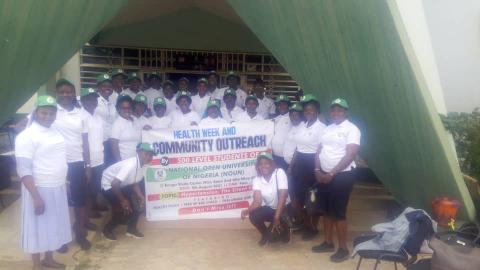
{"x": 126, "y": 206}
{"x": 276, "y": 224}
{"x": 147, "y": 127}
{"x": 39, "y": 206}
{"x": 319, "y": 176}
{"x": 244, "y": 213}
{"x": 88, "y": 174}
{"x": 141, "y": 202}
{"x": 327, "y": 178}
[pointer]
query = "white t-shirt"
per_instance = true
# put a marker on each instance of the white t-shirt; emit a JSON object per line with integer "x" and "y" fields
{"x": 71, "y": 126}
{"x": 131, "y": 93}
{"x": 291, "y": 142}
{"x": 334, "y": 141}
{"x": 308, "y": 137}
{"x": 112, "y": 98}
{"x": 128, "y": 137}
{"x": 230, "y": 116}
{"x": 160, "y": 122}
{"x": 181, "y": 120}
{"x": 108, "y": 113}
{"x": 95, "y": 137}
{"x": 47, "y": 150}
{"x": 140, "y": 122}
{"x": 171, "y": 105}
{"x": 218, "y": 93}
{"x": 266, "y": 107}
{"x": 211, "y": 121}
{"x": 199, "y": 104}
{"x": 282, "y": 126}
{"x": 151, "y": 94}
{"x": 269, "y": 188}
{"x": 243, "y": 117}
{"x": 127, "y": 171}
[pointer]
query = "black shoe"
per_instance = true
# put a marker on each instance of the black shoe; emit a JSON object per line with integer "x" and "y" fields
{"x": 109, "y": 235}
{"x": 84, "y": 243}
{"x": 263, "y": 241}
{"x": 324, "y": 247}
{"x": 309, "y": 234}
{"x": 134, "y": 233}
{"x": 63, "y": 249}
{"x": 90, "y": 226}
{"x": 95, "y": 214}
{"x": 340, "y": 256}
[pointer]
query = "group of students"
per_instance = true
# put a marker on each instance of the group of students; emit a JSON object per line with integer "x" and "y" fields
{"x": 94, "y": 143}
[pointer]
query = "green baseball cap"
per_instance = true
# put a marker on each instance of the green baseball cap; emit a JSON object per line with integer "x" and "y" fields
{"x": 213, "y": 103}
{"x": 251, "y": 97}
{"x": 145, "y": 147}
{"x": 296, "y": 106}
{"x": 168, "y": 82}
{"x": 233, "y": 74}
{"x": 230, "y": 92}
{"x": 43, "y": 101}
{"x": 159, "y": 101}
{"x": 202, "y": 80}
{"x": 134, "y": 76}
{"x": 118, "y": 71}
{"x": 282, "y": 98}
{"x": 141, "y": 98}
{"x": 87, "y": 91}
{"x": 103, "y": 77}
{"x": 308, "y": 98}
{"x": 154, "y": 74}
{"x": 340, "y": 102}
{"x": 184, "y": 79}
{"x": 212, "y": 72}
{"x": 266, "y": 155}
{"x": 181, "y": 94}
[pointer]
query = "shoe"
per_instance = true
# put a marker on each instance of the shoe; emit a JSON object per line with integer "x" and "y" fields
{"x": 95, "y": 214}
{"x": 263, "y": 241}
{"x": 84, "y": 243}
{"x": 63, "y": 249}
{"x": 109, "y": 236}
{"x": 340, "y": 256}
{"x": 324, "y": 247}
{"x": 309, "y": 234}
{"x": 134, "y": 233}
{"x": 90, "y": 226}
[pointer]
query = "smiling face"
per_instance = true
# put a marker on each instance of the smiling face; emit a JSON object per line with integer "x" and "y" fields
{"x": 213, "y": 112}
{"x": 251, "y": 106}
{"x": 168, "y": 91}
{"x": 159, "y": 110}
{"x": 202, "y": 89}
{"x": 45, "y": 116}
{"x": 139, "y": 108}
{"x": 105, "y": 89}
{"x": 65, "y": 96}
{"x": 338, "y": 114}
{"x": 184, "y": 104}
{"x": 89, "y": 102}
{"x": 310, "y": 112}
{"x": 265, "y": 166}
{"x": 135, "y": 85}
{"x": 230, "y": 101}
{"x": 295, "y": 117}
{"x": 118, "y": 82}
{"x": 125, "y": 109}
{"x": 282, "y": 107}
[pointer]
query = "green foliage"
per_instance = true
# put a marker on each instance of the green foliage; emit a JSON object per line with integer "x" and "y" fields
{"x": 465, "y": 128}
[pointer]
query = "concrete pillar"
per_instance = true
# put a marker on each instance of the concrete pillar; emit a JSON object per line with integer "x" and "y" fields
{"x": 71, "y": 71}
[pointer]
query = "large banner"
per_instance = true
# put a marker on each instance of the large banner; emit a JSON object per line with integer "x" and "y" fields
{"x": 204, "y": 172}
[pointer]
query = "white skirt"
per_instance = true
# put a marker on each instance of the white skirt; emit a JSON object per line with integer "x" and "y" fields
{"x": 52, "y": 229}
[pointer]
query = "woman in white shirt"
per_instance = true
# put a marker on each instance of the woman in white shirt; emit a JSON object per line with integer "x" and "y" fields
{"x": 169, "y": 94}
{"x": 270, "y": 197}
{"x": 229, "y": 109}
{"x": 266, "y": 106}
{"x": 250, "y": 113}
{"x": 200, "y": 100}
{"x": 282, "y": 126}
{"x": 184, "y": 117}
{"x": 140, "y": 104}
{"x": 106, "y": 111}
{"x": 303, "y": 162}
{"x": 70, "y": 124}
{"x": 334, "y": 169}
{"x": 296, "y": 119}
{"x": 213, "y": 114}
{"x": 125, "y": 136}
{"x": 41, "y": 156}
{"x": 159, "y": 120}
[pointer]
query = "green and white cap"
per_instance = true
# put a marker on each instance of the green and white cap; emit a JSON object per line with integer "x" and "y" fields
{"x": 134, "y": 76}
{"x": 168, "y": 82}
{"x": 202, "y": 80}
{"x": 141, "y": 98}
{"x": 340, "y": 102}
{"x": 103, "y": 77}
{"x": 230, "y": 92}
{"x": 154, "y": 74}
{"x": 296, "y": 106}
{"x": 282, "y": 98}
{"x": 308, "y": 98}
{"x": 181, "y": 94}
{"x": 266, "y": 155}
{"x": 159, "y": 101}
{"x": 213, "y": 103}
{"x": 184, "y": 79}
{"x": 87, "y": 91}
{"x": 233, "y": 74}
{"x": 145, "y": 147}
{"x": 118, "y": 71}
{"x": 43, "y": 101}
{"x": 249, "y": 97}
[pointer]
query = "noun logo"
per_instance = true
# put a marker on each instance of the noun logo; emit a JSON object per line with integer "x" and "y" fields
{"x": 160, "y": 175}
{"x": 164, "y": 161}
{"x": 50, "y": 100}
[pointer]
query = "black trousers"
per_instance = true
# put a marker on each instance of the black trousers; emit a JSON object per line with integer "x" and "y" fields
{"x": 118, "y": 214}
{"x": 108, "y": 158}
{"x": 259, "y": 216}
{"x": 96, "y": 182}
{"x": 78, "y": 184}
